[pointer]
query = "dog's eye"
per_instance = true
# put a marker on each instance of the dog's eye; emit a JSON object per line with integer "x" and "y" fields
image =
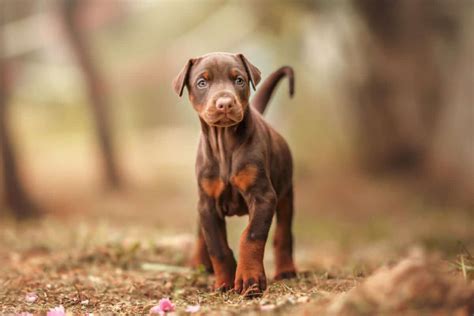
{"x": 239, "y": 81}
{"x": 201, "y": 83}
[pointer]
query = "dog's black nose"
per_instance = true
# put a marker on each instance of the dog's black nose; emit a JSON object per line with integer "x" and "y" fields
{"x": 224, "y": 104}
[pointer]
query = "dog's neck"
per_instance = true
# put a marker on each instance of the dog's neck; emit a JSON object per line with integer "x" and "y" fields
{"x": 220, "y": 142}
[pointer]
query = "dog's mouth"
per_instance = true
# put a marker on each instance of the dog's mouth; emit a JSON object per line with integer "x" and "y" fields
{"x": 223, "y": 120}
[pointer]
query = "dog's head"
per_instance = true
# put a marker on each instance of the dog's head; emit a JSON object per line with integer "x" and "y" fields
{"x": 218, "y": 86}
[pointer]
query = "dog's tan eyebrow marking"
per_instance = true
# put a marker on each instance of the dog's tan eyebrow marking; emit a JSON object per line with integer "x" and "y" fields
{"x": 246, "y": 177}
{"x": 205, "y": 74}
{"x": 236, "y": 72}
{"x": 212, "y": 187}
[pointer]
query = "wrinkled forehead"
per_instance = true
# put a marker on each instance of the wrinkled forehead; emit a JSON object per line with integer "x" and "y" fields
{"x": 217, "y": 65}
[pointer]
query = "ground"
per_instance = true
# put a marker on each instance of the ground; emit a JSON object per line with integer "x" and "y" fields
{"x": 102, "y": 251}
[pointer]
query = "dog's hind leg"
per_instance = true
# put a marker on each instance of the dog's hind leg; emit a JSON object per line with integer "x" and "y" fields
{"x": 201, "y": 255}
{"x": 283, "y": 238}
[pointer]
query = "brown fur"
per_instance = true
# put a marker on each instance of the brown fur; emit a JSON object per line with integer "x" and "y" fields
{"x": 224, "y": 271}
{"x": 245, "y": 178}
{"x": 212, "y": 187}
{"x": 250, "y": 276}
{"x": 283, "y": 239}
{"x": 243, "y": 166}
{"x": 201, "y": 255}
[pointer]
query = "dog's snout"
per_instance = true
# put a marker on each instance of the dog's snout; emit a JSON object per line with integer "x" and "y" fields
{"x": 224, "y": 104}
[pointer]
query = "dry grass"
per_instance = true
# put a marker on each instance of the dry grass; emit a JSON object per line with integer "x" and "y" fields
{"x": 131, "y": 278}
{"x": 105, "y": 269}
{"x": 121, "y": 253}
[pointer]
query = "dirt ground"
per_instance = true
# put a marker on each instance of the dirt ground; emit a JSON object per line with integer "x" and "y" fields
{"x": 363, "y": 246}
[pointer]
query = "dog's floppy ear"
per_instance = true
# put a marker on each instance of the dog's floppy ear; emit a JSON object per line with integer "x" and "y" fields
{"x": 181, "y": 79}
{"x": 252, "y": 71}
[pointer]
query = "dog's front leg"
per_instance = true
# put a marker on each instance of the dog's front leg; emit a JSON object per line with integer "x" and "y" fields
{"x": 214, "y": 232}
{"x": 261, "y": 200}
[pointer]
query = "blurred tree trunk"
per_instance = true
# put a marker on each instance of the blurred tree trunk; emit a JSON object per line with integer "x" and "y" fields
{"x": 400, "y": 101}
{"x": 414, "y": 107}
{"x": 15, "y": 197}
{"x": 96, "y": 87}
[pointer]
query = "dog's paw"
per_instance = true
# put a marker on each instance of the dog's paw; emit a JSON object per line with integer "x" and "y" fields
{"x": 285, "y": 275}
{"x": 224, "y": 282}
{"x": 222, "y": 286}
{"x": 250, "y": 283}
{"x": 225, "y": 274}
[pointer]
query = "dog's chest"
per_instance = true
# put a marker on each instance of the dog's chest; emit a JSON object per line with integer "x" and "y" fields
{"x": 230, "y": 202}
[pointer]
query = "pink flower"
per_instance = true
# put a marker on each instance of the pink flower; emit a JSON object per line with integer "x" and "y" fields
{"x": 31, "y": 297}
{"x": 193, "y": 308}
{"x": 57, "y": 311}
{"x": 164, "y": 306}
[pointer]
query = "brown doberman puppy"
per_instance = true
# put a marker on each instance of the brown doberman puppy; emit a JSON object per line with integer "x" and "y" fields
{"x": 243, "y": 166}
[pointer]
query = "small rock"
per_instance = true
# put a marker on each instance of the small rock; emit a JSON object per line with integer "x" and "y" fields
{"x": 193, "y": 308}
{"x": 268, "y": 307}
{"x": 302, "y": 299}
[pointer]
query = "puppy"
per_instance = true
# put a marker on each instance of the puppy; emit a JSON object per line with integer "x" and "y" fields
{"x": 243, "y": 166}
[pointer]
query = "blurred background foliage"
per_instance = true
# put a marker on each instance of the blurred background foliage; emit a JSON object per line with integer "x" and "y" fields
{"x": 381, "y": 125}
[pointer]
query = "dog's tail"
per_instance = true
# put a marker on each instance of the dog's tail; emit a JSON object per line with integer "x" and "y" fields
{"x": 265, "y": 92}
